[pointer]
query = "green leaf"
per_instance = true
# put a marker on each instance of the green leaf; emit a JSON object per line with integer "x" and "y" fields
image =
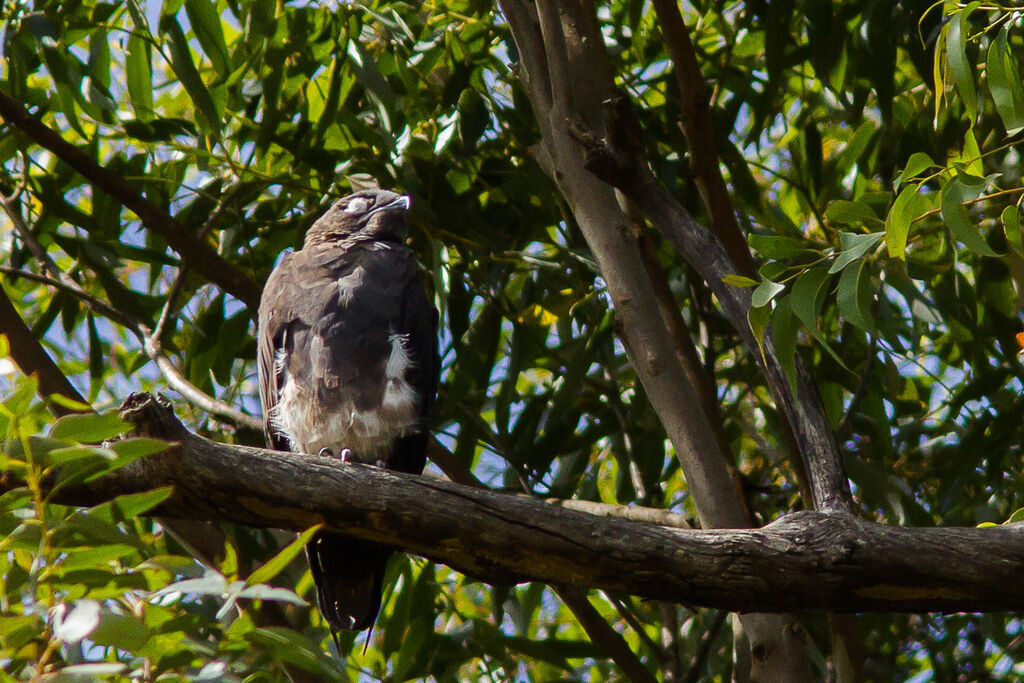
{"x": 205, "y": 21}
{"x": 293, "y": 648}
{"x": 854, "y": 245}
{"x": 956, "y": 54}
{"x": 765, "y": 292}
{"x": 268, "y": 570}
{"x": 776, "y": 246}
{"x": 62, "y": 456}
{"x": 89, "y": 428}
{"x": 758, "y": 317}
{"x": 1004, "y": 82}
{"x": 905, "y": 209}
{"x": 854, "y": 297}
{"x": 739, "y": 280}
{"x": 808, "y": 295}
{"x": 185, "y": 69}
{"x": 969, "y": 156}
{"x": 134, "y": 504}
{"x": 958, "y": 219}
{"x": 1011, "y": 226}
{"x": 124, "y": 632}
{"x": 785, "y": 328}
{"x": 916, "y": 164}
{"x": 139, "y": 76}
{"x": 855, "y": 147}
{"x": 852, "y": 213}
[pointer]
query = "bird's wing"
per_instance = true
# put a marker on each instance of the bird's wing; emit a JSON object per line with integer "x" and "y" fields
{"x": 278, "y": 316}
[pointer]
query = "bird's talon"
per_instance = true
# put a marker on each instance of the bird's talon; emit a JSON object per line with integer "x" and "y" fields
{"x": 326, "y": 453}
{"x": 345, "y": 454}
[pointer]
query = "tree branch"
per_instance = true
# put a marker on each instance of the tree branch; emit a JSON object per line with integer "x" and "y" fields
{"x": 808, "y": 560}
{"x": 621, "y": 164}
{"x": 197, "y": 254}
{"x": 603, "y": 635}
{"x": 31, "y": 358}
{"x": 695, "y": 120}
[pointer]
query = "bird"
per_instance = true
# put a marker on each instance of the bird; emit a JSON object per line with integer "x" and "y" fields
{"x": 348, "y": 368}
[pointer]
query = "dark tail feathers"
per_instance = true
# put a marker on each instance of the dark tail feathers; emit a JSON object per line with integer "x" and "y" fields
{"x": 348, "y": 574}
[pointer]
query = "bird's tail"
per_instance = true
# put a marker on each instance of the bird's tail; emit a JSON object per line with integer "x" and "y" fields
{"x": 348, "y": 574}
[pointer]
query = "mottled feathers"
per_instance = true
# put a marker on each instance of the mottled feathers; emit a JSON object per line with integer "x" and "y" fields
{"x": 347, "y": 356}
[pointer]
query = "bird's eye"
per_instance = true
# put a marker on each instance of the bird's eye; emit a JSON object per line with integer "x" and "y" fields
{"x": 357, "y": 205}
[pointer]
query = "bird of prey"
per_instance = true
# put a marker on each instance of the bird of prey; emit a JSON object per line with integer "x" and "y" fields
{"x": 348, "y": 367}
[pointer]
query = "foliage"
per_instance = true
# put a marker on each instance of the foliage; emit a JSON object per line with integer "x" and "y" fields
{"x": 873, "y": 152}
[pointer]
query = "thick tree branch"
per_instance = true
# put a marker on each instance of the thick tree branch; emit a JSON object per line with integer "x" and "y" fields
{"x": 32, "y": 358}
{"x": 197, "y": 254}
{"x": 807, "y": 560}
{"x": 623, "y": 166}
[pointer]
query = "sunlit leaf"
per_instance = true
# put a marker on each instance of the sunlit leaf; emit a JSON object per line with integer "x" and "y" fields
{"x": 1011, "y": 225}
{"x": 139, "y": 76}
{"x": 73, "y": 625}
{"x": 854, "y": 296}
{"x": 957, "y": 31}
{"x": 206, "y": 24}
{"x": 916, "y": 164}
{"x": 958, "y": 219}
{"x": 853, "y": 246}
{"x": 1004, "y": 82}
{"x": 765, "y": 292}
{"x": 852, "y": 213}
{"x": 272, "y": 567}
{"x": 185, "y": 69}
{"x": 89, "y": 428}
{"x": 739, "y": 281}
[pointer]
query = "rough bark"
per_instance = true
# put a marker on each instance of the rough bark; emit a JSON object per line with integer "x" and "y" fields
{"x": 807, "y": 560}
{"x": 623, "y": 167}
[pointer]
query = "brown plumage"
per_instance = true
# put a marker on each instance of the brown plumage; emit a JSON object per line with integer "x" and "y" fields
{"x": 348, "y": 366}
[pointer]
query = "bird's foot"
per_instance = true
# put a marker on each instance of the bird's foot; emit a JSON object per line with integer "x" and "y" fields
{"x": 345, "y": 454}
{"x": 326, "y": 453}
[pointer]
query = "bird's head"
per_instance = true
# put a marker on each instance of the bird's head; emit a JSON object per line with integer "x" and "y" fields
{"x": 368, "y": 214}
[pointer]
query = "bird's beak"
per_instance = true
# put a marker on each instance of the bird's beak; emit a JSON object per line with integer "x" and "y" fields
{"x": 401, "y": 203}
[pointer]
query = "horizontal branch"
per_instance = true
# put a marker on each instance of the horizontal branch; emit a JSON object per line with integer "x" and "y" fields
{"x": 807, "y": 560}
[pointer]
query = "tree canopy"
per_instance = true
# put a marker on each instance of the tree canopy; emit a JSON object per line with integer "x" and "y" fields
{"x": 701, "y": 265}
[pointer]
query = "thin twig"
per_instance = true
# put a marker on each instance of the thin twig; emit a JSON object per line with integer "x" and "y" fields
{"x": 603, "y": 635}
{"x": 696, "y": 122}
{"x": 704, "y": 649}
{"x": 172, "y": 295}
{"x": 672, "y": 662}
{"x": 95, "y": 304}
{"x": 147, "y": 339}
{"x": 222, "y": 206}
{"x": 634, "y": 623}
{"x": 192, "y": 393}
{"x": 11, "y": 208}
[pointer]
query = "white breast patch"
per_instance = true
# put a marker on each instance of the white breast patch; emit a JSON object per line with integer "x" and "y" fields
{"x": 369, "y": 434}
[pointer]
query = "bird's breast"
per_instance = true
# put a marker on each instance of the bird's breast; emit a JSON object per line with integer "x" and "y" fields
{"x": 365, "y": 412}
